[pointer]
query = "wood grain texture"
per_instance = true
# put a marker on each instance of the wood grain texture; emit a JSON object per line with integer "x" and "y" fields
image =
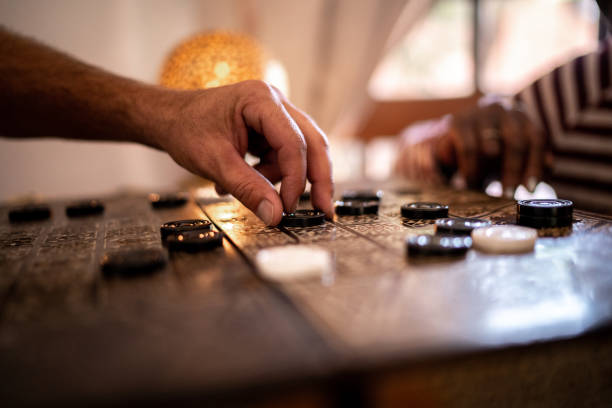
{"x": 202, "y": 326}
{"x": 208, "y": 329}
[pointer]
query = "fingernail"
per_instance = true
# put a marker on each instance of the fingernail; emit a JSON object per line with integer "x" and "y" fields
{"x": 508, "y": 192}
{"x": 265, "y": 211}
{"x": 532, "y": 182}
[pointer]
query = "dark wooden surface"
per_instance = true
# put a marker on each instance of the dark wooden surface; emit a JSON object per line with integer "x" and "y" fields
{"x": 384, "y": 330}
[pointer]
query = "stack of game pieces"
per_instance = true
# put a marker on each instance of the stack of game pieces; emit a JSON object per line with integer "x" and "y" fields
{"x": 550, "y": 217}
{"x": 176, "y": 227}
{"x": 194, "y": 241}
{"x": 190, "y": 235}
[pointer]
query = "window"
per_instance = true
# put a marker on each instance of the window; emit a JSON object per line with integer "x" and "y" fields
{"x": 517, "y": 41}
{"x": 520, "y": 40}
{"x": 434, "y": 60}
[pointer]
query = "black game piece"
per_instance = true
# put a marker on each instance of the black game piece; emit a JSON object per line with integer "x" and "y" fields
{"x": 424, "y": 211}
{"x": 370, "y": 207}
{"x": 29, "y": 212}
{"x": 168, "y": 200}
{"x": 543, "y": 222}
{"x": 545, "y": 208}
{"x": 539, "y": 213}
{"x": 177, "y": 227}
{"x": 459, "y": 226}
{"x": 84, "y": 208}
{"x": 348, "y": 208}
{"x": 437, "y": 245}
{"x": 362, "y": 195}
{"x": 356, "y": 207}
{"x": 127, "y": 263}
{"x": 194, "y": 241}
{"x": 303, "y": 218}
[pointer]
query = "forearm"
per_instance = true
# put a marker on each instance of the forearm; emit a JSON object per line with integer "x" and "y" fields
{"x": 208, "y": 132}
{"x": 45, "y": 93}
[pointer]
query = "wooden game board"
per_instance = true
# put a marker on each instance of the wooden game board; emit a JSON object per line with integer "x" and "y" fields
{"x": 208, "y": 328}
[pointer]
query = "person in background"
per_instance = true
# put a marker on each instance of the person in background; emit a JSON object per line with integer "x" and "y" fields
{"x": 44, "y": 93}
{"x": 558, "y": 129}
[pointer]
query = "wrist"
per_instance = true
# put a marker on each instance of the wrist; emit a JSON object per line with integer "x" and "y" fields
{"x": 154, "y": 114}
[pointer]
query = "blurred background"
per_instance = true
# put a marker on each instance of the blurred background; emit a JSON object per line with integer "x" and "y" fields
{"x": 364, "y": 69}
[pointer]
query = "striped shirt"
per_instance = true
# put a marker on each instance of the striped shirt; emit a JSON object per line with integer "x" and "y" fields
{"x": 573, "y": 106}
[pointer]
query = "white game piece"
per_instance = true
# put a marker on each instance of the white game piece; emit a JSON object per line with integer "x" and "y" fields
{"x": 504, "y": 239}
{"x": 294, "y": 262}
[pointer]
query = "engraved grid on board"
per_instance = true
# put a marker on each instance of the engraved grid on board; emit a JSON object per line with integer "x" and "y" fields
{"x": 55, "y": 270}
{"x": 133, "y": 224}
{"x": 16, "y": 244}
{"x": 244, "y": 229}
{"x": 325, "y": 232}
{"x": 377, "y": 314}
{"x": 59, "y": 275}
{"x": 135, "y": 230}
{"x": 220, "y": 270}
{"x": 388, "y": 229}
{"x": 352, "y": 253}
{"x": 223, "y": 337}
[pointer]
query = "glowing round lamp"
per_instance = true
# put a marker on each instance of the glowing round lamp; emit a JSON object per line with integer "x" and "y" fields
{"x": 213, "y": 59}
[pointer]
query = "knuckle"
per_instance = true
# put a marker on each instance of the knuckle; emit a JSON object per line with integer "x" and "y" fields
{"x": 276, "y": 91}
{"x": 259, "y": 88}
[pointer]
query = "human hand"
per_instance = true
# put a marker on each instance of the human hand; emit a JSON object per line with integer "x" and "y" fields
{"x": 416, "y": 160}
{"x": 487, "y": 141}
{"x": 208, "y": 132}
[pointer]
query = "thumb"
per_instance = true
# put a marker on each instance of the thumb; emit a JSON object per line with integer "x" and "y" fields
{"x": 250, "y": 188}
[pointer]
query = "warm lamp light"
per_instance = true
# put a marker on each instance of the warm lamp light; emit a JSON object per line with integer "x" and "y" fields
{"x": 213, "y": 59}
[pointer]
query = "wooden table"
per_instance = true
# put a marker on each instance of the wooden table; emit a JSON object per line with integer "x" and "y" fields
{"x": 384, "y": 330}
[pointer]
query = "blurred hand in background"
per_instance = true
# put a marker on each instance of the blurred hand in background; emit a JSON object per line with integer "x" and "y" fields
{"x": 492, "y": 141}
